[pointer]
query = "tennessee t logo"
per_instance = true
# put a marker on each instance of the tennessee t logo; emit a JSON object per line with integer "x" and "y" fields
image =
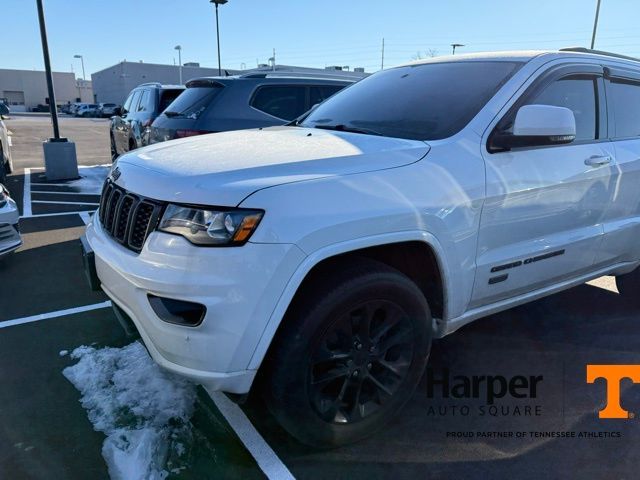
{"x": 613, "y": 374}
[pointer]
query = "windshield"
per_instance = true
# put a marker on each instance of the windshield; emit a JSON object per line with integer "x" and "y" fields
{"x": 419, "y": 102}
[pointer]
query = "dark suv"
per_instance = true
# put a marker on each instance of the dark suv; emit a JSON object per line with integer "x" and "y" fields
{"x": 130, "y": 129}
{"x": 217, "y": 104}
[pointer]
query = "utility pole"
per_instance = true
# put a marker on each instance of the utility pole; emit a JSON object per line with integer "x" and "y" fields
{"x": 60, "y": 159}
{"x": 454, "y": 45}
{"x": 81, "y": 61}
{"x": 595, "y": 25}
{"x": 382, "y": 62}
{"x": 179, "y": 49}
{"x": 274, "y": 59}
{"x": 47, "y": 67}
{"x": 218, "y": 2}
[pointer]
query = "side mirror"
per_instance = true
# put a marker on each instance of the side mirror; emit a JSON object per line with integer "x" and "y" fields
{"x": 538, "y": 125}
{"x": 4, "y": 110}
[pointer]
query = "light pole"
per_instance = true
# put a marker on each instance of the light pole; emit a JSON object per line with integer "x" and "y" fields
{"x": 218, "y": 2}
{"x": 81, "y": 61}
{"x": 60, "y": 161}
{"x": 179, "y": 48}
{"x": 454, "y": 46}
{"x": 595, "y": 25}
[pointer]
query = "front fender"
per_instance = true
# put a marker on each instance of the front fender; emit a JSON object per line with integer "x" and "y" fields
{"x": 337, "y": 249}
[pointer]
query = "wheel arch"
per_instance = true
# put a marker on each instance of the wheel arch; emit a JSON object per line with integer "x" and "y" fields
{"x": 391, "y": 249}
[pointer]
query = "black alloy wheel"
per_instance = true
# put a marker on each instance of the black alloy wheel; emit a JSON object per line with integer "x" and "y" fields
{"x": 361, "y": 361}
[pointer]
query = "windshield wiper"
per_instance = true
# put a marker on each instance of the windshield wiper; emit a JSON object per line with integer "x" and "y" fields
{"x": 345, "y": 128}
{"x": 172, "y": 114}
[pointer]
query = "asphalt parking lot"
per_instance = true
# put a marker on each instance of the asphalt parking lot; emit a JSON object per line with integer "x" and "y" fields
{"x": 48, "y": 310}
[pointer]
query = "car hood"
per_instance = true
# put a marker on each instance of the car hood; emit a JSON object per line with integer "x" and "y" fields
{"x": 224, "y": 168}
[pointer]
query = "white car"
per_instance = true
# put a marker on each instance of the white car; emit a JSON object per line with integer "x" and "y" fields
{"x": 9, "y": 231}
{"x": 323, "y": 257}
{"x": 107, "y": 109}
{"x": 6, "y": 162}
{"x": 87, "y": 110}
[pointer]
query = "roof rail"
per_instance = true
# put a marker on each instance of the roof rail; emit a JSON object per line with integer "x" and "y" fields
{"x": 598, "y": 52}
{"x": 285, "y": 74}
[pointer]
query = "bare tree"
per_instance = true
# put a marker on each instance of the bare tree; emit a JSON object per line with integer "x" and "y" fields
{"x": 429, "y": 53}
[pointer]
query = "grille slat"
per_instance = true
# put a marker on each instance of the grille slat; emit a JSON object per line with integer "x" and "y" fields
{"x": 126, "y": 217}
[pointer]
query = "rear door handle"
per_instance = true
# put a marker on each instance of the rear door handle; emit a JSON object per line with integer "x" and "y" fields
{"x": 598, "y": 160}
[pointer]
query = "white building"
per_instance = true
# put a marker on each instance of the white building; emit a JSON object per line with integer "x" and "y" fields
{"x": 26, "y": 89}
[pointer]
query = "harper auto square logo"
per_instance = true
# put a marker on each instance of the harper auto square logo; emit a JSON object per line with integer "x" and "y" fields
{"x": 613, "y": 375}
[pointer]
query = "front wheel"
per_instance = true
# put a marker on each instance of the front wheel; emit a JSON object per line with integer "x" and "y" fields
{"x": 114, "y": 150}
{"x": 350, "y": 354}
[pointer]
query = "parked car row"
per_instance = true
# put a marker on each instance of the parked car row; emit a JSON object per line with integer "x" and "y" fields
{"x": 156, "y": 113}
{"x": 79, "y": 109}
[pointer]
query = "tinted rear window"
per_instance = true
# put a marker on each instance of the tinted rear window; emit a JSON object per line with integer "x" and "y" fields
{"x": 193, "y": 101}
{"x": 168, "y": 96}
{"x": 281, "y": 101}
{"x": 420, "y": 102}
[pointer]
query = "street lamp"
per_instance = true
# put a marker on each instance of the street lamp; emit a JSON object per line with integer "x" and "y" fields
{"x": 81, "y": 61}
{"x": 179, "y": 48}
{"x": 218, "y": 2}
{"x": 454, "y": 46}
{"x": 595, "y": 25}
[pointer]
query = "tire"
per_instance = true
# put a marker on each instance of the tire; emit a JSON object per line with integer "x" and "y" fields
{"x": 629, "y": 285}
{"x": 114, "y": 150}
{"x": 4, "y": 167}
{"x": 316, "y": 359}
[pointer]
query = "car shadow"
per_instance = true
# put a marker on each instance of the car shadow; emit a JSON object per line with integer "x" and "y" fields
{"x": 555, "y": 337}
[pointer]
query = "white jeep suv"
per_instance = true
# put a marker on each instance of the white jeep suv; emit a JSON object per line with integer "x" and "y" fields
{"x": 322, "y": 257}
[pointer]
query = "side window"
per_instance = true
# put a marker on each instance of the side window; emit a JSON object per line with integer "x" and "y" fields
{"x": 320, "y": 93}
{"x": 127, "y": 103}
{"x": 625, "y": 99}
{"x": 578, "y": 94}
{"x": 146, "y": 101}
{"x": 134, "y": 101}
{"x": 286, "y": 102}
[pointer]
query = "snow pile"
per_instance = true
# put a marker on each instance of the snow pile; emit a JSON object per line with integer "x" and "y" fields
{"x": 143, "y": 410}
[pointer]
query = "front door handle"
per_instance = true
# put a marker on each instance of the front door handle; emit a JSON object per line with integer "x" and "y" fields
{"x": 598, "y": 160}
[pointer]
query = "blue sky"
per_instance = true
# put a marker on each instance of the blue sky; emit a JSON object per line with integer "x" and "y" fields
{"x": 303, "y": 32}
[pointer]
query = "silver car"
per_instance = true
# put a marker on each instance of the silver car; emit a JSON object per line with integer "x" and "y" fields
{"x": 9, "y": 230}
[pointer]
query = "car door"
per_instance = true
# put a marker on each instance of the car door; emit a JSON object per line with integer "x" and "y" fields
{"x": 118, "y": 125}
{"x": 542, "y": 219}
{"x": 622, "y": 218}
{"x": 126, "y": 119}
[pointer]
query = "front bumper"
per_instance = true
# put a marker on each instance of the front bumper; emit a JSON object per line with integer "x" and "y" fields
{"x": 239, "y": 286}
{"x": 10, "y": 238}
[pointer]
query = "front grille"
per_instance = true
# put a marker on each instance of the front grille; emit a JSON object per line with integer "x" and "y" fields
{"x": 127, "y": 217}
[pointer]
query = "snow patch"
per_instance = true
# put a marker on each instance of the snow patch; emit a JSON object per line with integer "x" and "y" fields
{"x": 143, "y": 410}
{"x": 63, "y": 353}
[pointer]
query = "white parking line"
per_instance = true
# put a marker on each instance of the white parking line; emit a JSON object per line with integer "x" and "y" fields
{"x": 86, "y": 218}
{"x": 26, "y": 199}
{"x": 54, "y": 202}
{"x": 65, "y": 193}
{"x": 59, "y": 313}
{"x": 266, "y": 458}
{"x": 56, "y": 214}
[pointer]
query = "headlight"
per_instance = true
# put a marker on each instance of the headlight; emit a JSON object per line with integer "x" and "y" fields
{"x": 223, "y": 227}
